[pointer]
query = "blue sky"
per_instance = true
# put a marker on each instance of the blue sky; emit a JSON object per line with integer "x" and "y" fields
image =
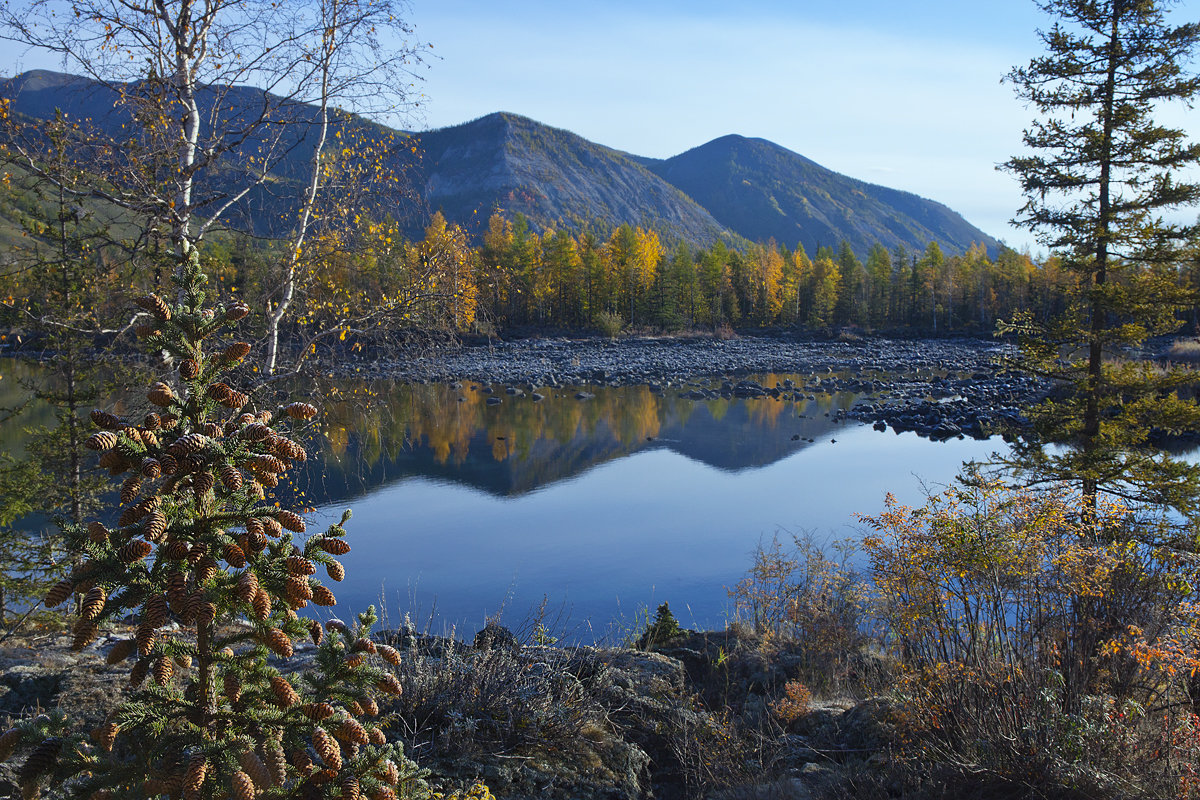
{"x": 907, "y": 95}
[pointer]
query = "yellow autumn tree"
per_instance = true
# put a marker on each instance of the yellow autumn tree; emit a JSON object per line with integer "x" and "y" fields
{"x": 444, "y": 263}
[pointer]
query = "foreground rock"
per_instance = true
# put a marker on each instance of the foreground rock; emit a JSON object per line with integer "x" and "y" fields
{"x": 691, "y": 720}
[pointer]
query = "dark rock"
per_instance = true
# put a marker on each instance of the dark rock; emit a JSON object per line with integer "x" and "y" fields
{"x": 496, "y": 637}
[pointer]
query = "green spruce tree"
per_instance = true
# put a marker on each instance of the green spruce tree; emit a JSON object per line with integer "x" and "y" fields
{"x": 199, "y": 543}
{"x": 1100, "y": 174}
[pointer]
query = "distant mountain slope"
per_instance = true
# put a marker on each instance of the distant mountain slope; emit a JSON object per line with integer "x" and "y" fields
{"x": 762, "y": 191}
{"x": 554, "y": 177}
{"x": 732, "y": 188}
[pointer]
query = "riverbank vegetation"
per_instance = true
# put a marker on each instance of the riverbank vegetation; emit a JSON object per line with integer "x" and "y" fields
{"x": 1034, "y": 637}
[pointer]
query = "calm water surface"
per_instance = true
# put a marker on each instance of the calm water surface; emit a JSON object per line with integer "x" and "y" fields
{"x": 603, "y": 506}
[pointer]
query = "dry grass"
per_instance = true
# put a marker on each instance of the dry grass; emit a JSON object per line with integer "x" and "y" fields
{"x": 1185, "y": 351}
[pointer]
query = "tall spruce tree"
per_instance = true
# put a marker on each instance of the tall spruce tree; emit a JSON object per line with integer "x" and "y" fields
{"x": 198, "y": 543}
{"x": 1099, "y": 176}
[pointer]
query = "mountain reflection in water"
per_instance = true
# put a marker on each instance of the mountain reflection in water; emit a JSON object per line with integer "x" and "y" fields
{"x": 603, "y": 505}
{"x": 521, "y": 445}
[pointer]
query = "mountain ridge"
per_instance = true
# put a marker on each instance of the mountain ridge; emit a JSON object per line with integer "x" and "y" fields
{"x": 734, "y": 188}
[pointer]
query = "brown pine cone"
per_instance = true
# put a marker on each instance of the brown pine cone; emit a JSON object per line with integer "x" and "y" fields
{"x": 101, "y": 440}
{"x": 233, "y": 688}
{"x": 193, "y": 779}
{"x": 163, "y": 670}
{"x": 135, "y": 550}
{"x": 235, "y": 352}
{"x": 107, "y": 735}
{"x": 236, "y": 312}
{"x": 257, "y": 542}
{"x": 8, "y": 743}
{"x": 183, "y": 661}
{"x": 327, "y": 748}
{"x": 370, "y": 707}
{"x": 85, "y": 632}
{"x": 335, "y": 570}
{"x": 168, "y": 464}
{"x": 266, "y": 463}
{"x": 120, "y": 651}
{"x": 138, "y": 673}
{"x": 390, "y": 773}
{"x": 354, "y": 660}
{"x": 333, "y": 546}
{"x": 155, "y": 305}
{"x": 285, "y": 695}
{"x": 383, "y": 793}
{"x": 298, "y": 592}
{"x": 352, "y": 731}
{"x": 315, "y": 631}
{"x": 321, "y": 596}
{"x": 317, "y": 711}
{"x": 177, "y": 550}
{"x": 154, "y": 526}
{"x": 272, "y": 527}
{"x": 130, "y": 489}
{"x": 276, "y": 762}
{"x": 231, "y": 477}
{"x": 364, "y": 645}
{"x": 206, "y": 570}
{"x": 154, "y": 611}
{"x": 389, "y": 685}
{"x": 161, "y": 395}
{"x": 186, "y": 445}
{"x": 189, "y": 368}
{"x": 302, "y": 411}
{"x": 243, "y": 786}
{"x": 206, "y": 613}
{"x": 376, "y": 736}
{"x": 247, "y": 586}
{"x": 218, "y": 391}
{"x": 93, "y": 603}
{"x": 299, "y": 565}
{"x": 146, "y": 637}
{"x": 234, "y": 556}
{"x": 262, "y": 604}
{"x": 58, "y": 593}
{"x": 350, "y": 790}
{"x": 97, "y": 533}
{"x": 112, "y": 460}
{"x": 390, "y": 654}
{"x": 254, "y": 431}
{"x": 203, "y": 483}
{"x": 278, "y": 641}
{"x": 177, "y": 591}
{"x": 103, "y": 419}
{"x": 40, "y": 761}
{"x": 293, "y": 522}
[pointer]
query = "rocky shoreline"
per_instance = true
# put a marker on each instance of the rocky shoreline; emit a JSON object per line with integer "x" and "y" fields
{"x": 690, "y": 717}
{"x": 940, "y": 388}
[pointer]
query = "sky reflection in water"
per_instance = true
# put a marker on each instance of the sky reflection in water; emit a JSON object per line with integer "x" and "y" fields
{"x": 626, "y": 533}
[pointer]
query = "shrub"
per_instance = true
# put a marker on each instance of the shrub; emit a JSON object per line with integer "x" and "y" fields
{"x": 807, "y": 599}
{"x": 198, "y": 543}
{"x": 663, "y": 628}
{"x": 1039, "y": 639}
{"x": 609, "y": 324}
